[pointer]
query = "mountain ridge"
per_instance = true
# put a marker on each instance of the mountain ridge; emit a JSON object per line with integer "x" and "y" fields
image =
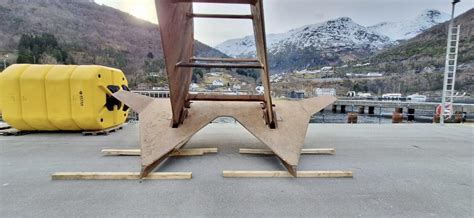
{"x": 331, "y": 42}
{"x": 409, "y": 28}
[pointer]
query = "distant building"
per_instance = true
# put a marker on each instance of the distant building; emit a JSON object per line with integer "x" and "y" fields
{"x": 362, "y": 65}
{"x": 298, "y": 94}
{"x": 326, "y": 68}
{"x": 143, "y": 86}
{"x": 391, "y": 96}
{"x": 325, "y": 92}
{"x": 364, "y": 95}
{"x": 374, "y": 74}
{"x": 193, "y": 86}
{"x": 305, "y": 71}
{"x": 236, "y": 87}
{"x": 416, "y": 98}
{"x": 153, "y": 74}
{"x": 217, "y": 82}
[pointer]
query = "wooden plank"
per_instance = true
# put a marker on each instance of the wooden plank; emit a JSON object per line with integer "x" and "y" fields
{"x": 219, "y": 65}
{"x": 224, "y": 59}
{"x": 137, "y": 152}
{"x": 205, "y": 97}
{"x": 4, "y": 126}
{"x": 219, "y": 1}
{"x": 261, "y": 46}
{"x": 303, "y": 151}
{"x": 121, "y": 152}
{"x": 222, "y": 16}
{"x": 13, "y": 132}
{"x": 285, "y": 174}
{"x": 104, "y": 131}
{"x": 119, "y": 175}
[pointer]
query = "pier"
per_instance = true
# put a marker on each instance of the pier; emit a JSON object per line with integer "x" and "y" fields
{"x": 371, "y": 104}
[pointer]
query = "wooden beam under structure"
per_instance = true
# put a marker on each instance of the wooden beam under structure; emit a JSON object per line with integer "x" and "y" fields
{"x": 179, "y": 153}
{"x": 285, "y": 174}
{"x": 119, "y": 176}
{"x": 321, "y": 151}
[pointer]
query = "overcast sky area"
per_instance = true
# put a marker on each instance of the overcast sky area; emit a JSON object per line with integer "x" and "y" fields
{"x": 283, "y": 15}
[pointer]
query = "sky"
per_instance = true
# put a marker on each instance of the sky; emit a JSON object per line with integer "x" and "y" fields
{"x": 283, "y": 15}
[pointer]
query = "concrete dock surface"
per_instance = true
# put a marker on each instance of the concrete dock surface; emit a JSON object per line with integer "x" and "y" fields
{"x": 404, "y": 170}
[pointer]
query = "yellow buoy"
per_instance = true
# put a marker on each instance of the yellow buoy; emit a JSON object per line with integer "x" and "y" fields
{"x": 62, "y": 97}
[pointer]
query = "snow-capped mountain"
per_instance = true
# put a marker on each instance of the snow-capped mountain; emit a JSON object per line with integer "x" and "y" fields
{"x": 331, "y": 42}
{"x": 334, "y": 34}
{"x": 341, "y": 33}
{"x": 411, "y": 27}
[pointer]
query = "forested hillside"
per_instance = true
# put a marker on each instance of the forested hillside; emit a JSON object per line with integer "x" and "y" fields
{"x": 85, "y": 32}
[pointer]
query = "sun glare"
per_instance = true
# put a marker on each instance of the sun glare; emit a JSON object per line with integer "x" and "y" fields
{"x": 142, "y": 10}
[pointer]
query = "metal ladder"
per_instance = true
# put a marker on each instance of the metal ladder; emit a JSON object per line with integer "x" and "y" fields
{"x": 177, "y": 35}
{"x": 450, "y": 70}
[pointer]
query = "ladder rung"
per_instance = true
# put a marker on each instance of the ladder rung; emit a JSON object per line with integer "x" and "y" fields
{"x": 224, "y": 16}
{"x": 224, "y": 59}
{"x": 219, "y": 65}
{"x": 221, "y": 1}
{"x": 207, "y": 97}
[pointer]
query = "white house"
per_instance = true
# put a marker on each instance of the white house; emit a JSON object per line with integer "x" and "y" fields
{"x": 326, "y": 68}
{"x": 236, "y": 87}
{"x": 217, "y": 82}
{"x": 193, "y": 86}
{"x": 325, "y": 92}
{"x": 374, "y": 74}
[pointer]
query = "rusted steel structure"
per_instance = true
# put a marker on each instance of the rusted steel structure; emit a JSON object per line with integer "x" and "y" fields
{"x": 167, "y": 125}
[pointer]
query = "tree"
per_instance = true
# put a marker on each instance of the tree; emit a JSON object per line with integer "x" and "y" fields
{"x": 150, "y": 55}
{"x": 35, "y": 48}
{"x": 197, "y": 75}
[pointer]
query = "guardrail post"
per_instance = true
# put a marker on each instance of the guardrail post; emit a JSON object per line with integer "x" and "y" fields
{"x": 411, "y": 115}
{"x": 399, "y": 110}
{"x": 371, "y": 109}
{"x": 343, "y": 109}
{"x": 334, "y": 108}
